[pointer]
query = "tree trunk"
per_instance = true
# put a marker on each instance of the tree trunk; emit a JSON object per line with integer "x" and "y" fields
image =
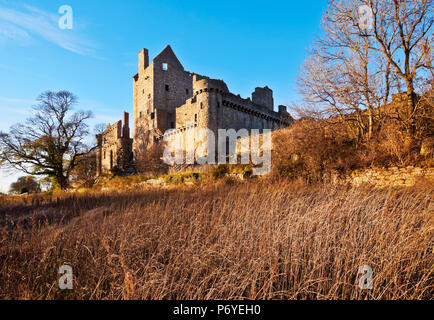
{"x": 370, "y": 123}
{"x": 62, "y": 181}
{"x": 411, "y": 105}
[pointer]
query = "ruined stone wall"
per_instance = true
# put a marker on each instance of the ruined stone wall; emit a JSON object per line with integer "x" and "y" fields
{"x": 394, "y": 177}
{"x": 109, "y": 147}
{"x": 114, "y": 148}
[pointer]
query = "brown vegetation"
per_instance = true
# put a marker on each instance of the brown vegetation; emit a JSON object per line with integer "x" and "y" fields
{"x": 259, "y": 240}
{"x": 314, "y": 147}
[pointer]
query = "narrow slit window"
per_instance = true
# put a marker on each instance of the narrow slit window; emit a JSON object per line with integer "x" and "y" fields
{"x": 165, "y": 66}
{"x": 167, "y": 87}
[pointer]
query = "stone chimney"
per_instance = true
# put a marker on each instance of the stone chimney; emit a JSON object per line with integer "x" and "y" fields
{"x": 143, "y": 59}
{"x": 126, "y": 128}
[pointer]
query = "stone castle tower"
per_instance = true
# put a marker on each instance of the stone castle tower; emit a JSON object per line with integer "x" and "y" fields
{"x": 166, "y": 96}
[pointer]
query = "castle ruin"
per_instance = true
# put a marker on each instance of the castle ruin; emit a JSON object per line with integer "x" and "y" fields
{"x": 114, "y": 151}
{"x": 165, "y": 96}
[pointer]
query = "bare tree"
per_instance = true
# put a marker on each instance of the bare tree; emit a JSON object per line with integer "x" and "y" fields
{"x": 51, "y": 143}
{"x": 342, "y": 75}
{"x": 84, "y": 173}
{"x": 149, "y": 148}
{"x": 352, "y": 72}
{"x": 403, "y": 32}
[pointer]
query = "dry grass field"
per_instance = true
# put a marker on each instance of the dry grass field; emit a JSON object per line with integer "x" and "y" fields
{"x": 251, "y": 240}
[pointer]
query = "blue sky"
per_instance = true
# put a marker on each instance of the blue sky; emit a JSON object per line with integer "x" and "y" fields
{"x": 246, "y": 43}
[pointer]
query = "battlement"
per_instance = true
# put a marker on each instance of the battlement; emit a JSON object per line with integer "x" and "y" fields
{"x": 204, "y": 84}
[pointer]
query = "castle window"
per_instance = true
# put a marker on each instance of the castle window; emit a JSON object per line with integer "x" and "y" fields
{"x": 218, "y": 104}
{"x": 140, "y": 114}
{"x": 167, "y": 87}
{"x": 165, "y": 66}
{"x": 149, "y": 96}
{"x": 201, "y": 105}
{"x": 104, "y": 154}
{"x": 153, "y": 115}
{"x": 195, "y": 117}
{"x": 186, "y": 91}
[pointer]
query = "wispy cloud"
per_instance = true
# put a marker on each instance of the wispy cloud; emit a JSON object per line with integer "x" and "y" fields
{"x": 12, "y": 32}
{"x": 14, "y": 110}
{"x": 30, "y": 22}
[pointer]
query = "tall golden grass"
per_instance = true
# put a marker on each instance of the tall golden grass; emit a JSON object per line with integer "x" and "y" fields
{"x": 252, "y": 240}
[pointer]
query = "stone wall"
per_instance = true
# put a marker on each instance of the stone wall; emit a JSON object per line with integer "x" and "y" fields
{"x": 114, "y": 149}
{"x": 158, "y": 89}
{"x": 394, "y": 177}
{"x": 214, "y": 107}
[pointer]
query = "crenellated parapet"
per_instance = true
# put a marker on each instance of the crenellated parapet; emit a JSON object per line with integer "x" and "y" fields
{"x": 204, "y": 84}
